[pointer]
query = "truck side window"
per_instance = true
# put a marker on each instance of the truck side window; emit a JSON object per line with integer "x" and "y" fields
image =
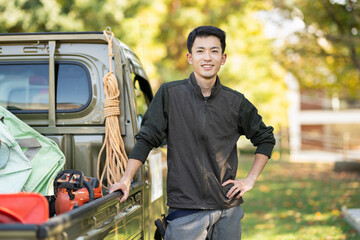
{"x": 25, "y": 86}
{"x": 73, "y": 87}
{"x": 141, "y": 104}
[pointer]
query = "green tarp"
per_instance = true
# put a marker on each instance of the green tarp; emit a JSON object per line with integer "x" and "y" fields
{"x": 32, "y": 162}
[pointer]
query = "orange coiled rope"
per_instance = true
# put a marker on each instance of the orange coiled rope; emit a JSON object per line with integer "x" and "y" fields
{"x": 116, "y": 158}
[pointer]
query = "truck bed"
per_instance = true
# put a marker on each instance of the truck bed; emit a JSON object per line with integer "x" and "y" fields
{"x": 94, "y": 220}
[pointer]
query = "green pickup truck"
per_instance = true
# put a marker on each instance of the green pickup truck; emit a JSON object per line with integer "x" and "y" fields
{"x": 54, "y": 83}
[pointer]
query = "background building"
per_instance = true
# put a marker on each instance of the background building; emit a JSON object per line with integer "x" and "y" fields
{"x": 322, "y": 128}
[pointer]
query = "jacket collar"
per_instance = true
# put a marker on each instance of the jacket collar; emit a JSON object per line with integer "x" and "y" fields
{"x": 193, "y": 84}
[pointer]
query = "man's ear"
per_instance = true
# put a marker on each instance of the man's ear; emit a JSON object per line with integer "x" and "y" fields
{"x": 223, "y": 60}
{"x": 189, "y": 58}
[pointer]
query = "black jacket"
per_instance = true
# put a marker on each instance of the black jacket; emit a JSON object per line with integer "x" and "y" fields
{"x": 201, "y": 136}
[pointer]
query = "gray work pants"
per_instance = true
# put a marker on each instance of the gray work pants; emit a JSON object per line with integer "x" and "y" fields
{"x": 207, "y": 224}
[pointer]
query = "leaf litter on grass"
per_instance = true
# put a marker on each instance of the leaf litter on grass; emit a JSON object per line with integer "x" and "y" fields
{"x": 299, "y": 201}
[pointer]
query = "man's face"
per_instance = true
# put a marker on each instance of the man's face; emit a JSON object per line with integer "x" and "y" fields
{"x": 206, "y": 57}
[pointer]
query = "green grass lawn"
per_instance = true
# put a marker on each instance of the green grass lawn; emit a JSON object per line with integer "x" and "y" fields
{"x": 299, "y": 201}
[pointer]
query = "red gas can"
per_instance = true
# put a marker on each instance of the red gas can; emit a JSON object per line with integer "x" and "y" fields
{"x": 24, "y": 207}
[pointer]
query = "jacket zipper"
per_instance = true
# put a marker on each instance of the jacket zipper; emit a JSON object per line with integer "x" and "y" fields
{"x": 203, "y": 153}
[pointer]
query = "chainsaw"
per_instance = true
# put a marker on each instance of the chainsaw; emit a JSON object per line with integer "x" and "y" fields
{"x": 73, "y": 190}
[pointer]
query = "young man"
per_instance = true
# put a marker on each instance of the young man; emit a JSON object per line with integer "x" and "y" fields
{"x": 202, "y": 120}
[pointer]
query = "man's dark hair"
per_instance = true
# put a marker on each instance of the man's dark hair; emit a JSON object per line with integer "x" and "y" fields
{"x": 206, "y": 31}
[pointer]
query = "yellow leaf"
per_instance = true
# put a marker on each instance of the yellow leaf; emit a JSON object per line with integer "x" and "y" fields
{"x": 336, "y": 212}
{"x": 299, "y": 204}
{"x": 264, "y": 188}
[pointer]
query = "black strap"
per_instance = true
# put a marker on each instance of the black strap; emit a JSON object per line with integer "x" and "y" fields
{"x": 161, "y": 224}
